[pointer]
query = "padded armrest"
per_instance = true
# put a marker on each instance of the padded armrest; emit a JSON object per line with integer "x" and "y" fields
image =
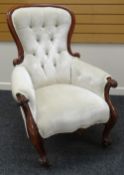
{"x": 89, "y": 77}
{"x": 22, "y": 83}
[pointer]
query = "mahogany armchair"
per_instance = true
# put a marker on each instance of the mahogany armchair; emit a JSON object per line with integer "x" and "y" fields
{"x": 57, "y": 92}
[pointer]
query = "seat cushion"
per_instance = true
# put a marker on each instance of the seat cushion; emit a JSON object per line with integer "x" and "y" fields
{"x": 66, "y": 108}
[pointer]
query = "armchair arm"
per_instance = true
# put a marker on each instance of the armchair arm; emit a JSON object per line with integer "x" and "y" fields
{"x": 89, "y": 77}
{"x": 22, "y": 84}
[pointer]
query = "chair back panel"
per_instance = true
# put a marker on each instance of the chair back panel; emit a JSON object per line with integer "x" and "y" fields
{"x": 43, "y": 33}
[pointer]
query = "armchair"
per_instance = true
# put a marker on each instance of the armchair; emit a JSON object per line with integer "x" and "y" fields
{"x": 57, "y": 92}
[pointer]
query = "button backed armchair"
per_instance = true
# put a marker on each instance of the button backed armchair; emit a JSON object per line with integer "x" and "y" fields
{"x": 57, "y": 92}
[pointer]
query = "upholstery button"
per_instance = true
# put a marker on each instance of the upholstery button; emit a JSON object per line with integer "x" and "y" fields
{"x": 47, "y": 52}
{"x": 51, "y": 39}
{"x": 56, "y": 24}
{"x": 34, "y": 53}
{"x": 59, "y": 51}
{"x": 42, "y": 66}
{"x": 54, "y": 64}
{"x": 38, "y": 39}
{"x": 30, "y": 26}
{"x": 43, "y": 25}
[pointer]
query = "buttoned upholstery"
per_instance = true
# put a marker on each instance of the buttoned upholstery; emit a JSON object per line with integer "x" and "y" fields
{"x": 43, "y": 34}
{"x": 64, "y": 92}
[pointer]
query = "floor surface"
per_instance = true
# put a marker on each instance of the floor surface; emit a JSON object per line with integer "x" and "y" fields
{"x": 70, "y": 154}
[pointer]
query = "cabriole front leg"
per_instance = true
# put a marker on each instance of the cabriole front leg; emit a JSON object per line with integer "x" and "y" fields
{"x": 32, "y": 130}
{"x": 106, "y": 140}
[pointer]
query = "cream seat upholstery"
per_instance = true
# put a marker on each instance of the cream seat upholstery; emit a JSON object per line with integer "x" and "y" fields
{"x": 81, "y": 99}
{"x": 65, "y": 108}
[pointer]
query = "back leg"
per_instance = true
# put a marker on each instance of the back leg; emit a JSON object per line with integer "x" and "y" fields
{"x": 106, "y": 140}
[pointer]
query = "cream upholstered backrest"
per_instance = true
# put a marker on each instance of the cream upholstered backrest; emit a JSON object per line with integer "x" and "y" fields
{"x": 43, "y": 33}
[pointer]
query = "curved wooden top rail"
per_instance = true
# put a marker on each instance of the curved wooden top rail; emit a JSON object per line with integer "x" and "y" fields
{"x": 16, "y": 38}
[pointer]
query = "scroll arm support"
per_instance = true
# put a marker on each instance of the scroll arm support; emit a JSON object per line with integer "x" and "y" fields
{"x": 113, "y": 112}
{"x": 32, "y": 129}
